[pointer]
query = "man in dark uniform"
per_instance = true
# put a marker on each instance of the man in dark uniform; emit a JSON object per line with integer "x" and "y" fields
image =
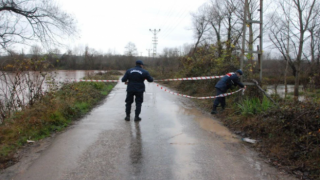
{"x": 223, "y": 85}
{"x": 134, "y": 78}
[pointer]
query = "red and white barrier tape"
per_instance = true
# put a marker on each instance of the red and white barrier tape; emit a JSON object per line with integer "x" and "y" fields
{"x": 92, "y": 80}
{"x": 192, "y": 78}
{"x": 207, "y": 97}
{"x": 176, "y": 79}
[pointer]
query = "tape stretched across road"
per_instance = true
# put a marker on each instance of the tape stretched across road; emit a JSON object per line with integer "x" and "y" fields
{"x": 192, "y": 78}
{"x": 176, "y": 79}
{"x": 92, "y": 80}
{"x": 207, "y": 97}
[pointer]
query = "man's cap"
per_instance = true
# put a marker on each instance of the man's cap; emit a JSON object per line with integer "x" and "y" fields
{"x": 139, "y": 62}
{"x": 239, "y": 71}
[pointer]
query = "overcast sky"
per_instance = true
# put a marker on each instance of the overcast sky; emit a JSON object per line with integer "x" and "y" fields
{"x": 110, "y": 24}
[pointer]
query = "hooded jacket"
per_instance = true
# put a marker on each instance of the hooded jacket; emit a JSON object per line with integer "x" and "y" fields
{"x": 136, "y": 77}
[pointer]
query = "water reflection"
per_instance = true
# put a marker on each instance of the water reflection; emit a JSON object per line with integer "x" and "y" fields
{"x": 280, "y": 90}
{"x": 20, "y": 88}
{"x": 136, "y": 153}
{"x": 8, "y": 79}
{"x": 67, "y": 75}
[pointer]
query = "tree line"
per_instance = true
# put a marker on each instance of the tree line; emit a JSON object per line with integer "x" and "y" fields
{"x": 291, "y": 31}
{"x": 291, "y": 28}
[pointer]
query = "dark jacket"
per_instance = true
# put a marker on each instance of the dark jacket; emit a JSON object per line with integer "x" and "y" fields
{"x": 227, "y": 81}
{"x": 136, "y": 77}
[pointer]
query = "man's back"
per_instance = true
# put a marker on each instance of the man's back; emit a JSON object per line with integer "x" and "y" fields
{"x": 136, "y": 77}
{"x": 227, "y": 81}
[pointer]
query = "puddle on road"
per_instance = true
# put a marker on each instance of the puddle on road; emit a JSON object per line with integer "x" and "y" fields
{"x": 211, "y": 125}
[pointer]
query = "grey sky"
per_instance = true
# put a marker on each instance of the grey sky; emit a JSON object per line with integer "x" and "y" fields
{"x": 109, "y": 25}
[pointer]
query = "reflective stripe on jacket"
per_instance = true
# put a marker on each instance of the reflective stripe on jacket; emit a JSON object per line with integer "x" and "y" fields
{"x": 135, "y": 78}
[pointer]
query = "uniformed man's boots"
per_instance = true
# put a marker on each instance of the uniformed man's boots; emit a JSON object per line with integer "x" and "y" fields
{"x": 214, "y": 110}
{"x": 127, "y": 118}
{"x": 137, "y": 118}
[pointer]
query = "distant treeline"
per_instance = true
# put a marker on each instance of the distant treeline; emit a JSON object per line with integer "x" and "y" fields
{"x": 271, "y": 67}
{"x": 88, "y": 61}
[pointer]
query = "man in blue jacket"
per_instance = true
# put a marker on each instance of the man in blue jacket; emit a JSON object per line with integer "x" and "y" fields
{"x": 134, "y": 78}
{"x": 223, "y": 85}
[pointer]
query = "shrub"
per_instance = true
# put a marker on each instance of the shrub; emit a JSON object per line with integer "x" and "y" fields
{"x": 252, "y": 106}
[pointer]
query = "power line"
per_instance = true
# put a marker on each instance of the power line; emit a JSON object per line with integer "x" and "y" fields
{"x": 172, "y": 29}
{"x": 181, "y": 18}
{"x": 169, "y": 12}
{"x": 177, "y": 15}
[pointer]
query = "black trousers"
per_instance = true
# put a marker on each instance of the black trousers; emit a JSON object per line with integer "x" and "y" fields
{"x": 138, "y": 100}
{"x": 219, "y": 100}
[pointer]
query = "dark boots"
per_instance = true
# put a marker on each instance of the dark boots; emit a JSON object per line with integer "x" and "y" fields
{"x": 214, "y": 110}
{"x": 127, "y": 118}
{"x": 136, "y": 118}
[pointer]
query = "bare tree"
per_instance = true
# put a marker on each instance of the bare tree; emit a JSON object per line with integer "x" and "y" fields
{"x": 224, "y": 24}
{"x": 317, "y": 46}
{"x": 131, "y": 49}
{"x": 36, "y": 52}
{"x": 301, "y": 20}
{"x": 23, "y": 21}
{"x": 314, "y": 33}
{"x": 216, "y": 14}
{"x": 218, "y": 23}
{"x": 200, "y": 25}
{"x": 232, "y": 25}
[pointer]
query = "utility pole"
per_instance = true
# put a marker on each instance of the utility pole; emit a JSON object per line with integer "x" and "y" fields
{"x": 287, "y": 54}
{"x": 155, "y": 41}
{"x": 261, "y": 38}
{"x": 148, "y": 52}
{"x": 244, "y": 28}
{"x": 260, "y": 48}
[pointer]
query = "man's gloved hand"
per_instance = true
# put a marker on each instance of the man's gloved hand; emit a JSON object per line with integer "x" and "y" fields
{"x": 244, "y": 88}
{"x": 126, "y": 83}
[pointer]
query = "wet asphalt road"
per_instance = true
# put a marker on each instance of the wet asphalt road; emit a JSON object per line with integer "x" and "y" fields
{"x": 173, "y": 141}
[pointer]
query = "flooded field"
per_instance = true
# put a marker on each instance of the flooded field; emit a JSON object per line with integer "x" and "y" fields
{"x": 21, "y": 88}
{"x": 280, "y": 90}
{"x": 59, "y": 76}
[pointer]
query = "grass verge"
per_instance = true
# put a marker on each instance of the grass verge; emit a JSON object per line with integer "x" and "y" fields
{"x": 288, "y": 134}
{"x": 53, "y": 113}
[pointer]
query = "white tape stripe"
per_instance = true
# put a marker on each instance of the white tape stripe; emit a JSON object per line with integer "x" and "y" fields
{"x": 92, "y": 80}
{"x": 191, "y": 78}
{"x": 207, "y": 97}
{"x": 177, "y": 79}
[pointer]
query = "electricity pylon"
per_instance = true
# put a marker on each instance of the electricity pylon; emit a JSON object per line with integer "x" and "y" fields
{"x": 155, "y": 41}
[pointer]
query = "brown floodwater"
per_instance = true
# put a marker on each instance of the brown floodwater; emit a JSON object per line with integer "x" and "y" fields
{"x": 7, "y": 79}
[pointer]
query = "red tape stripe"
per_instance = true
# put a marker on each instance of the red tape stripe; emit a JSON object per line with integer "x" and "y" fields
{"x": 177, "y": 79}
{"x": 207, "y": 97}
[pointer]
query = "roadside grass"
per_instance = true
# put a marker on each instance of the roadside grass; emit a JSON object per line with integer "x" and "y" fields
{"x": 52, "y": 114}
{"x": 288, "y": 134}
{"x": 253, "y": 106}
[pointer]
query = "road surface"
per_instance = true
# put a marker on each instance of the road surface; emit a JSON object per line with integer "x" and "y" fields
{"x": 174, "y": 140}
